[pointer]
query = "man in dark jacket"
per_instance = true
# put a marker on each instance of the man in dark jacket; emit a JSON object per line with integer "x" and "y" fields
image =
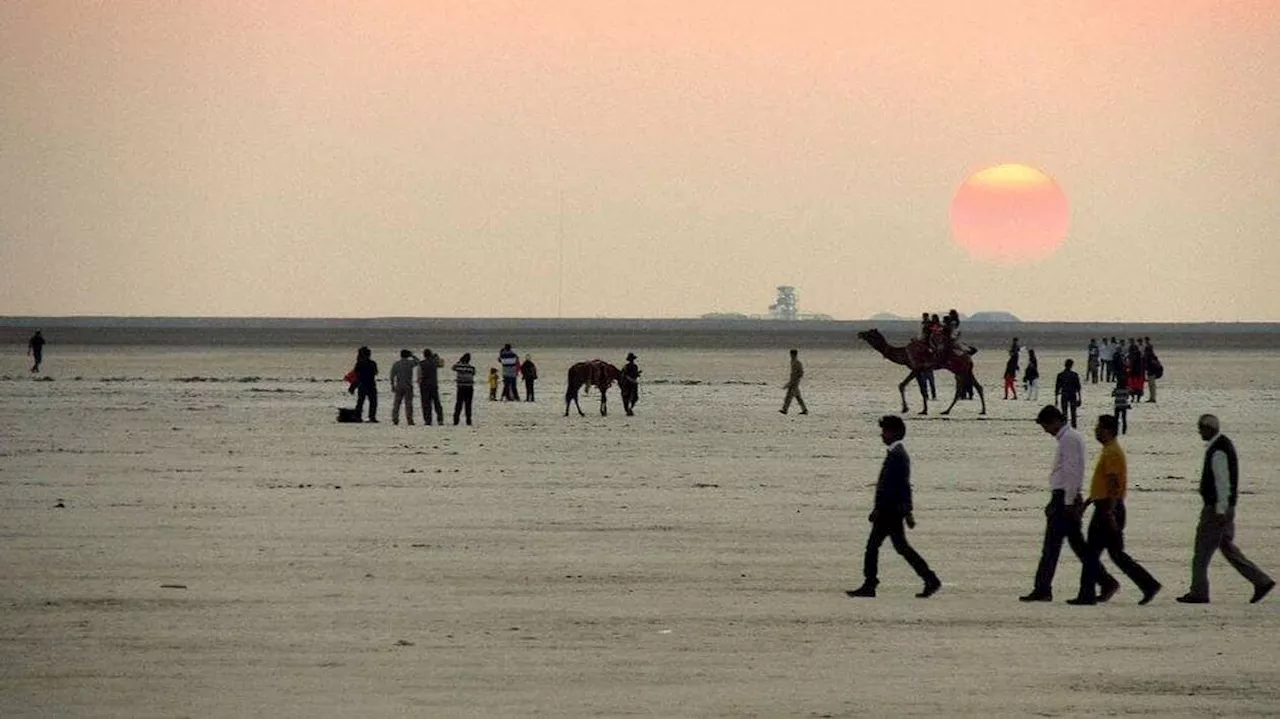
{"x": 1219, "y": 488}
{"x": 1067, "y": 390}
{"x": 892, "y": 510}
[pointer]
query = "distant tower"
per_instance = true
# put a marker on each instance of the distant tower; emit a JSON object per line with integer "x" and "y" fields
{"x": 784, "y": 308}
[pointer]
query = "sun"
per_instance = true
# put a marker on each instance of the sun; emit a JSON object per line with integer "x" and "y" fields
{"x": 1010, "y": 214}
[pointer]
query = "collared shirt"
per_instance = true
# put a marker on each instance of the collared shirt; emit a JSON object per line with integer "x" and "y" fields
{"x": 1221, "y": 476}
{"x": 1068, "y": 464}
{"x": 1110, "y": 461}
{"x": 402, "y": 372}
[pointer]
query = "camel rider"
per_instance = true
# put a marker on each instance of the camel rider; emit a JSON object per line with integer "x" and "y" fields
{"x": 924, "y": 326}
{"x": 936, "y": 338}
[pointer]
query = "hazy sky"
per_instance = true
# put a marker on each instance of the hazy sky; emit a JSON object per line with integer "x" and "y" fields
{"x": 659, "y": 159}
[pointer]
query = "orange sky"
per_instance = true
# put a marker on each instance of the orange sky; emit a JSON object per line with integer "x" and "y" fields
{"x": 440, "y": 158}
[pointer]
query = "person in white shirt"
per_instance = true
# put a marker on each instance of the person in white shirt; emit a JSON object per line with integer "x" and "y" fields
{"x": 1065, "y": 508}
{"x": 1220, "y": 488}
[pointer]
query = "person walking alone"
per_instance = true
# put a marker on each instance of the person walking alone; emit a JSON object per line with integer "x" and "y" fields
{"x": 1063, "y": 512}
{"x": 1107, "y": 492}
{"x": 1067, "y": 390}
{"x": 893, "y": 509}
{"x": 429, "y": 385}
{"x": 465, "y": 380}
{"x": 793, "y": 385}
{"x": 35, "y": 350}
{"x": 402, "y": 387}
{"x": 1216, "y": 530}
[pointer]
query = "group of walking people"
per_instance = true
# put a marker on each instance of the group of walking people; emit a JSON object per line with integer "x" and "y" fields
{"x": 1219, "y": 487}
{"x": 409, "y": 372}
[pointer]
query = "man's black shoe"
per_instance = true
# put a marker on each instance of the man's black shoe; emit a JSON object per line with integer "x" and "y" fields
{"x": 1261, "y": 591}
{"x": 865, "y": 590}
{"x": 1036, "y": 597}
{"x": 1082, "y": 601}
{"x": 1108, "y": 592}
{"x": 1192, "y": 599}
{"x": 931, "y": 588}
{"x": 1150, "y": 594}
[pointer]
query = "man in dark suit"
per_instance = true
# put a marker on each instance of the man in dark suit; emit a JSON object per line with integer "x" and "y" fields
{"x": 893, "y": 510}
{"x": 1067, "y": 391}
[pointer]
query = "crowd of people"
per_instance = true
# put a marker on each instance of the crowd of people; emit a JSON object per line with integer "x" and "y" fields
{"x": 424, "y": 373}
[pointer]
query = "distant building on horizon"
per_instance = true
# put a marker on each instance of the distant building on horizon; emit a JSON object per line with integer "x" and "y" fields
{"x": 785, "y": 308}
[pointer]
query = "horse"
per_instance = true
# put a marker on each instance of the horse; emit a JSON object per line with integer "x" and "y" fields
{"x": 596, "y": 373}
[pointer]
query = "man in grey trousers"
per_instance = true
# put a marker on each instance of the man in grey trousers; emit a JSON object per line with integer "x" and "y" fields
{"x": 1219, "y": 488}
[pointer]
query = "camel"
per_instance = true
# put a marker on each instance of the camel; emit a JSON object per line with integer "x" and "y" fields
{"x": 596, "y": 373}
{"x": 918, "y": 357}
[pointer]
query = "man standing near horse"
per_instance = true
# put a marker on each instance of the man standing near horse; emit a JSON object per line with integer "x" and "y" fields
{"x": 793, "y": 385}
{"x": 629, "y": 384}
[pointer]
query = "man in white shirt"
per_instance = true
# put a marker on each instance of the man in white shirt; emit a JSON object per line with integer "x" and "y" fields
{"x": 1065, "y": 509}
{"x": 1219, "y": 488}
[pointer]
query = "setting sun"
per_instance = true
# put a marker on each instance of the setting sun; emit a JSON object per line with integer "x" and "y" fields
{"x": 1009, "y": 214}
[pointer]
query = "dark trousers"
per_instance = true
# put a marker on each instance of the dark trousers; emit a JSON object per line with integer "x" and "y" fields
{"x": 1069, "y": 404}
{"x": 38, "y": 356}
{"x": 890, "y": 525}
{"x": 1061, "y": 523}
{"x": 463, "y": 402}
{"x": 431, "y": 399}
{"x": 509, "y": 391}
{"x": 1102, "y": 536}
{"x": 1212, "y": 536}
{"x": 371, "y": 394}
{"x": 1122, "y": 417}
{"x": 528, "y": 389}
{"x": 630, "y": 392}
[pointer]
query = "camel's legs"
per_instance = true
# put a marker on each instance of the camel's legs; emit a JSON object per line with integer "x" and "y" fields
{"x": 977, "y": 387}
{"x": 902, "y": 392}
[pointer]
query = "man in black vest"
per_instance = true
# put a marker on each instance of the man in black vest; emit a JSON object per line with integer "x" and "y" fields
{"x": 1219, "y": 488}
{"x": 892, "y": 509}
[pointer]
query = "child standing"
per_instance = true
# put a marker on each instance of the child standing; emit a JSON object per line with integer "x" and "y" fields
{"x": 493, "y": 384}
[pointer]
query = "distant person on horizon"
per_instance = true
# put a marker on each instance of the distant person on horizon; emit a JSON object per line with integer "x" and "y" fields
{"x": 793, "y": 385}
{"x": 1107, "y": 492}
{"x": 1067, "y": 390}
{"x": 366, "y": 383}
{"x": 35, "y": 350}
{"x": 1216, "y": 530}
{"x": 629, "y": 384}
{"x": 529, "y": 371}
{"x": 1065, "y": 507}
{"x": 465, "y": 378}
{"x": 891, "y": 511}
{"x": 402, "y": 387}
{"x": 510, "y": 362}
{"x": 429, "y": 385}
{"x": 1091, "y": 364}
{"x": 1152, "y": 366}
{"x": 1121, "y": 405}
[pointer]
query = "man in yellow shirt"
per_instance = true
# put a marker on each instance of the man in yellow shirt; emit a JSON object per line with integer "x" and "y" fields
{"x": 1106, "y": 529}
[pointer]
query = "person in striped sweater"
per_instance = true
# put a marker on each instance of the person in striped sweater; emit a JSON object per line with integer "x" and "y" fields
{"x": 465, "y": 379}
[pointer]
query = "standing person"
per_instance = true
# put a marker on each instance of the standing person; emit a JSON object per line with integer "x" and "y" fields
{"x": 1104, "y": 359}
{"x": 1064, "y": 509}
{"x": 1220, "y": 488}
{"x": 1107, "y": 491}
{"x": 1091, "y": 364}
{"x": 465, "y": 379}
{"x": 366, "y": 383}
{"x": 402, "y": 386}
{"x": 493, "y": 386}
{"x": 530, "y": 372}
{"x": 629, "y": 384}
{"x": 1067, "y": 390}
{"x": 1121, "y": 407}
{"x": 1137, "y": 371}
{"x": 429, "y": 385}
{"x": 1011, "y": 376}
{"x": 1031, "y": 376}
{"x": 927, "y": 384}
{"x": 1153, "y": 367}
{"x": 35, "y": 350}
{"x": 892, "y": 509}
{"x": 793, "y": 385}
{"x": 510, "y": 362}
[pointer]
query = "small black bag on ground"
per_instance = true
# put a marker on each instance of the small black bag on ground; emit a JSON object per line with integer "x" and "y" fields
{"x": 347, "y": 414}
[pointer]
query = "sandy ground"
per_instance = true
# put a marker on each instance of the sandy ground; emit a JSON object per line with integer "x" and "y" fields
{"x": 689, "y": 561}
